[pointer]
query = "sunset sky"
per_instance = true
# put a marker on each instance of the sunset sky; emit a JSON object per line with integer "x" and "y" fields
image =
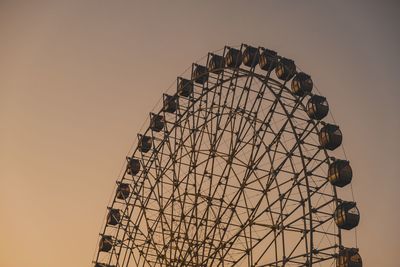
{"x": 78, "y": 79}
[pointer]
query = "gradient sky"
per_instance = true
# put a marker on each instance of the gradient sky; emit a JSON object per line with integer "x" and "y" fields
{"x": 78, "y": 79}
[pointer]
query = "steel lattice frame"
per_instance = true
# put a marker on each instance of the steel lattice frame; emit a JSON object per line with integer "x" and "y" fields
{"x": 236, "y": 178}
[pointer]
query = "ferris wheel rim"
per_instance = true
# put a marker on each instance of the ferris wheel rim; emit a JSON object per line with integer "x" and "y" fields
{"x": 264, "y": 79}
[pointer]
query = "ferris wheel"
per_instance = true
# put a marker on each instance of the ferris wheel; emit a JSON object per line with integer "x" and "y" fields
{"x": 236, "y": 168}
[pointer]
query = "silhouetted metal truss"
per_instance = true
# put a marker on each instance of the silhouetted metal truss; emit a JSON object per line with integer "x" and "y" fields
{"x": 235, "y": 176}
